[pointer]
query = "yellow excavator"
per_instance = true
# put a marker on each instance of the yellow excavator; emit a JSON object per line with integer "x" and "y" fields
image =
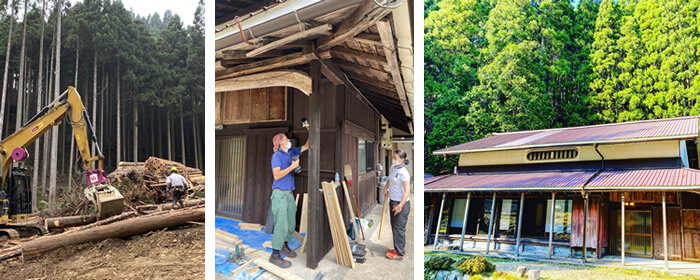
{"x": 15, "y": 191}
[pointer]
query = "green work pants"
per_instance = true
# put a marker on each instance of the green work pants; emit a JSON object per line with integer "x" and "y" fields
{"x": 285, "y": 211}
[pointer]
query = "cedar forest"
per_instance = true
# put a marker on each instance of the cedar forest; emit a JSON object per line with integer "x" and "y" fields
{"x": 141, "y": 79}
{"x": 510, "y": 65}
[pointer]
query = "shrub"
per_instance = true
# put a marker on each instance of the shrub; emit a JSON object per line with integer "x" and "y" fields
{"x": 476, "y": 265}
{"x": 476, "y": 277}
{"x": 440, "y": 263}
{"x": 503, "y": 275}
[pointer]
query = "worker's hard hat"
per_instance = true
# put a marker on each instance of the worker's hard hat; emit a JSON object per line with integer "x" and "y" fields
{"x": 173, "y": 169}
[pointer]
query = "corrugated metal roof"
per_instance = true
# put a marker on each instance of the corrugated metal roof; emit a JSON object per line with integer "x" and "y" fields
{"x": 648, "y": 130}
{"x": 607, "y": 180}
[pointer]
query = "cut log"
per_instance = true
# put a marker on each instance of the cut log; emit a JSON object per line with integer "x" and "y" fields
{"x": 71, "y": 221}
{"x": 120, "y": 229}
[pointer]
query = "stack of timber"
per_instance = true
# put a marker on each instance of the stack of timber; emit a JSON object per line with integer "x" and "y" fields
{"x": 343, "y": 252}
{"x": 146, "y": 180}
{"x": 83, "y": 229}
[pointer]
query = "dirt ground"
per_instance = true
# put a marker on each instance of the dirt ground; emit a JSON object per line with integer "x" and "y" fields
{"x": 167, "y": 254}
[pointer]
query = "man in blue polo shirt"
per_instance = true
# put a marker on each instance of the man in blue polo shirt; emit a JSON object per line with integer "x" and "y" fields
{"x": 282, "y": 201}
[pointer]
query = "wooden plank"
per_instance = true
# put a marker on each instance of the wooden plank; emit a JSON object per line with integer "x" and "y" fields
{"x": 368, "y": 38}
{"x": 278, "y": 103}
{"x": 248, "y": 226}
{"x": 304, "y": 214}
{"x": 370, "y": 73}
{"x": 352, "y": 213}
{"x": 260, "y": 104}
{"x": 691, "y": 234}
{"x": 354, "y": 56}
{"x": 242, "y": 267}
{"x": 285, "y": 78}
{"x": 291, "y": 38}
{"x": 390, "y": 52}
{"x": 335, "y": 218}
{"x": 275, "y": 270}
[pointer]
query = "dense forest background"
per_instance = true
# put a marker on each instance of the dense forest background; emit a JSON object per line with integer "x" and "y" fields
{"x": 141, "y": 79}
{"x": 498, "y": 66}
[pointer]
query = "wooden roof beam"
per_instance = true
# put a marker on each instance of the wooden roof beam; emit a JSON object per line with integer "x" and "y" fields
{"x": 307, "y": 33}
{"x": 380, "y": 76}
{"x": 368, "y": 38}
{"x": 284, "y": 61}
{"x": 390, "y": 52}
{"x": 351, "y": 55}
{"x": 364, "y": 16}
{"x": 287, "y": 78}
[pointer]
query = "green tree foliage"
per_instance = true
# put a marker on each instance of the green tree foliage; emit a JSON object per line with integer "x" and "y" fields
{"x": 508, "y": 65}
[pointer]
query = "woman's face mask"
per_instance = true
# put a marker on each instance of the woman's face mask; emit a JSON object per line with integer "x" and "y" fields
{"x": 288, "y": 145}
{"x": 395, "y": 162}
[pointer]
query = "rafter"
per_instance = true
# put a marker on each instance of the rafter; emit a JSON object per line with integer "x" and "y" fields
{"x": 387, "y": 37}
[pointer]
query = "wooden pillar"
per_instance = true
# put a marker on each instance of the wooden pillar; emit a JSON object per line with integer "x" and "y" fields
{"x": 493, "y": 210}
{"x": 585, "y": 226}
{"x": 464, "y": 221}
{"x": 439, "y": 221}
{"x": 622, "y": 229}
{"x": 520, "y": 223}
{"x": 314, "y": 175}
{"x": 551, "y": 229}
{"x": 663, "y": 213}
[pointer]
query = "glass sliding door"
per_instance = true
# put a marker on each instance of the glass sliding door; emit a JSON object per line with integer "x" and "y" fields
{"x": 638, "y": 240}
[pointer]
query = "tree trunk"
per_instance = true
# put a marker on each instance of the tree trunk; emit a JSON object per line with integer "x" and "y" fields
{"x": 57, "y": 92}
{"x": 20, "y": 90}
{"x": 194, "y": 138}
{"x": 170, "y": 154}
{"x": 94, "y": 98}
{"x": 182, "y": 133}
{"x": 136, "y": 130}
{"x": 119, "y": 112}
{"x": 120, "y": 229}
{"x": 48, "y": 136}
{"x": 71, "y": 221}
{"x": 72, "y": 141}
{"x": 37, "y": 146}
{"x": 102, "y": 105}
{"x": 7, "y": 65}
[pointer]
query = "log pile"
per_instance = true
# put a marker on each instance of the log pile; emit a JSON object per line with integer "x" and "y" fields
{"x": 83, "y": 229}
{"x": 146, "y": 180}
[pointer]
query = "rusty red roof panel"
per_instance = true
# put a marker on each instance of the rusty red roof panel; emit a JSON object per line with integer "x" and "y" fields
{"x": 683, "y": 127}
{"x": 679, "y": 177}
{"x": 608, "y": 180}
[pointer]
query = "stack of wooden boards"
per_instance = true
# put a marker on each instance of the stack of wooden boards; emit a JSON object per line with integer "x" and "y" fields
{"x": 343, "y": 252}
{"x": 149, "y": 177}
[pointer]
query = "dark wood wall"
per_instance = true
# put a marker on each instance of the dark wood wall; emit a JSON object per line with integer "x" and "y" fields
{"x": 596, "y": 228}
{"x": 673, "y": 228}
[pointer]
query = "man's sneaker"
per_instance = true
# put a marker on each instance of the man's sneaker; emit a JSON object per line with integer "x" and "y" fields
{"x": 394, "y": 256}
{"x": 391, "y": 251}
{"x": 288, "y": 252}
{"x": 277, "y": 260}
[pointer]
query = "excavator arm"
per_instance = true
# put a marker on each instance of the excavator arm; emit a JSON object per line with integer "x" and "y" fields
{"x": 68, "y": 106}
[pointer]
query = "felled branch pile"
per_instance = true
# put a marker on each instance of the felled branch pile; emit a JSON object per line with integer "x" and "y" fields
{"x": 146, "y": 180}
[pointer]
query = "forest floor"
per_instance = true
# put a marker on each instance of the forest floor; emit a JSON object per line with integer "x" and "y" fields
{"x": 176, "y": 253}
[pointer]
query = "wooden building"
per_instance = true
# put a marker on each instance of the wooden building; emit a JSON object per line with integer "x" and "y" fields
{"x": 346, "y": 66}
{"x": 530, "y": 192}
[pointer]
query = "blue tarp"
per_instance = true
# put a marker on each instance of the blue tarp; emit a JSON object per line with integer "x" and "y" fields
{"x": 253, "y": 238}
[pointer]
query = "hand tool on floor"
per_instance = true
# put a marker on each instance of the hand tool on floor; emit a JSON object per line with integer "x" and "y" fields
{"x": 348, "y": 174}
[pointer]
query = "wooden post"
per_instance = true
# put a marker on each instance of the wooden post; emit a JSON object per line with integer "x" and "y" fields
{"x": 493, "y": 210}
{"x": 464, "y": 221}
{"x": 315, "y": 233}
{"x": 585, "y": 226}
{"x": 437, "y": 228}
{"x": 551, "y": 228}
{"x": 520, "y": 222}
{"x": 622, "y": 222}
{"x": 663, "y": 213}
